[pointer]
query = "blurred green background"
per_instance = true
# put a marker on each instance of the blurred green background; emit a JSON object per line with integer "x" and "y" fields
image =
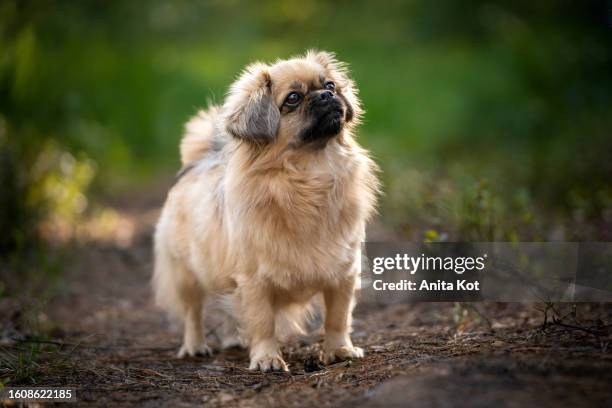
{"x": 491, "y": 120}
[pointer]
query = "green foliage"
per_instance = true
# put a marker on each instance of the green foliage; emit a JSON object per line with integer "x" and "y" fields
{"x": 490, "y": 119}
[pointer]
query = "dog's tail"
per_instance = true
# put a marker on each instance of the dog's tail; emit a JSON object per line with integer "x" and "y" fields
{"x": 199, "y": 136}
{"x": 292, "y": 320}
{"x": 298, "y": 319}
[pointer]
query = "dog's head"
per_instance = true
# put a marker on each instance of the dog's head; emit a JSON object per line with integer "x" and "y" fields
{"x": 304, "y": 101}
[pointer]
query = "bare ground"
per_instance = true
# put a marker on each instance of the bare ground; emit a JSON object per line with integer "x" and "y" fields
{"x": 117, "y": 350}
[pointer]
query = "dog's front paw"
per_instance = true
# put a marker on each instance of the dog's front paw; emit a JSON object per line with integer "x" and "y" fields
{"x": 266, "y": 356}
{"x": 268, "y": 363}
{"x": 338, "y": 347}
{"x": 190, "y": 350}
{"x": 341, "y": 353}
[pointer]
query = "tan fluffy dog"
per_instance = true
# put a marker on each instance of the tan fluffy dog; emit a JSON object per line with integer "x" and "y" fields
{"x": 269, "y": 210}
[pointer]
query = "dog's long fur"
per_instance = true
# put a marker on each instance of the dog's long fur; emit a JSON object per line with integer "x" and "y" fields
{"x": 264, "y": 218}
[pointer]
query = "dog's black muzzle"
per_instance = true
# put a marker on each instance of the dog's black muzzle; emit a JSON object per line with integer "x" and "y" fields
{"x": 327, "y": 112}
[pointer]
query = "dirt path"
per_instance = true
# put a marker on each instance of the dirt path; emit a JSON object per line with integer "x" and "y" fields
{"x": 122, "y": 351}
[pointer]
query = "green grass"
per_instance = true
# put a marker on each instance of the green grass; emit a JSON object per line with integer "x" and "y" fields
{"x": 31, "y": 360}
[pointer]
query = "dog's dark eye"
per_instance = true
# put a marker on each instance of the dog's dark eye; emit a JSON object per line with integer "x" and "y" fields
{"x": 330, "y": 86}
{"x": 293, "y": 99}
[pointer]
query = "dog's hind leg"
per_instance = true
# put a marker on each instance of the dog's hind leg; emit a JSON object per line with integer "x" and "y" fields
{"x": 178, "y": 291}
{"x": 192, "y": 299}
{"x": 228, "y": 333}
{"x": 222, "y": 318}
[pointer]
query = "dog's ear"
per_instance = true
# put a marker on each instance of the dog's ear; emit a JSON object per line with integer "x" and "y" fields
{"x": 249, "y": 110}
{"x": 339, "y": 73}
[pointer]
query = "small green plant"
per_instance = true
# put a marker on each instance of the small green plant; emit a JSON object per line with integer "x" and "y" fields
{"x": 31, "y": 359}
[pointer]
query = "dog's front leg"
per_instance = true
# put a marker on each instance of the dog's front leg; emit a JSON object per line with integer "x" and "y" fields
{"x": 339, "y": 307}
{"x": 257, "y": 313}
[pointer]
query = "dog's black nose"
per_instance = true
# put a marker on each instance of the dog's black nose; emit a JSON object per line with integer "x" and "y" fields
{"x": 326, "y": 95}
